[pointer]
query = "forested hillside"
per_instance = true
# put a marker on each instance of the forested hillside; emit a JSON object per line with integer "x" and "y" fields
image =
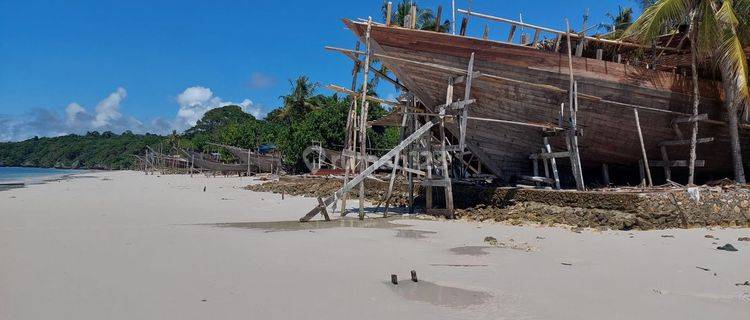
{"x": 304, "y": 117}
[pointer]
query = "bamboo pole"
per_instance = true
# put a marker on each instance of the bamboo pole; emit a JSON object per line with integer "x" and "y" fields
{"x": 643, "y": 148}
{"x": 363, "y": 120}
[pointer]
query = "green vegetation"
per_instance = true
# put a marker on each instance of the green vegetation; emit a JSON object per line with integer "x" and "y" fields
{"x": 304, "y": 117}
{"x": 718, "y": 32}
{"x": 92, "y": 151}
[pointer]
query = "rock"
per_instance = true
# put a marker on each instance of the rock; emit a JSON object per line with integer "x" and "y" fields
{"x": 709, "y": 236}
{"x": 491, "y": 241}
{"x": 576, "y": 229}
{"x": 727, "y": 247}
{"x": 743, "y": 239}
{"x": 667, "y": 236}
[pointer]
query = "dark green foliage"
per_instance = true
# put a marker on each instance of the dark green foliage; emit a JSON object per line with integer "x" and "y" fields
{"x": 90, "y": 151}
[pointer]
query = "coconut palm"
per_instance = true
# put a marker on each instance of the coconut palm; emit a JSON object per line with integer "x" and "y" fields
{"x": 425, "y": 17}
{"x": 714, "y": 37}
{"x": 299, "y": 101}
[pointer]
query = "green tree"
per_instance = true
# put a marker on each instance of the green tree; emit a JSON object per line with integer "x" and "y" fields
{"x": 714, "y": 37}
{"x": 426, "y": 19}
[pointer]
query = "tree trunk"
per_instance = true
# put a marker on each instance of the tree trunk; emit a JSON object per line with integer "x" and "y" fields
{"x": 732, "y": 105}
{"x": 696, "y": 97}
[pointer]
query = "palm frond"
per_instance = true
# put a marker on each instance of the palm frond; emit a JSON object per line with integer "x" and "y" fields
{"x": 726, "y": 14}
{"x": 733, "y": 55}
{"x": 708, "y": 29}
{"x": 654, "y": 20}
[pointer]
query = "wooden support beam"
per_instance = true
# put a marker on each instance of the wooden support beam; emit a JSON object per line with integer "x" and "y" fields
{"x": 435, "y": 182}
{"x": 605, "y": 174}
{"x": 357, "y": 95}
{"x": 462, "y": 78}
{"x": 354, "y": 56}
{"x": 643, "y": 148}
{"x": 388, "y": 12}
{"x": 538, "y": 179}
{"x": 559, "y": 32}
{"x": 599, "y": 54}
{"x": 438, "y": 17}
{"x": 553, "y": 162}
{"x": 679, "y": 163}
{"x": 536, "y": 38}
{"x": 465, "y": 110}
{"x": 512, "y": 33}
{"x": 551, "y": 155}
{"x": 464, "y": 23}
{"x": 669, "y": 143}
{"x": 369, "y": 170}
{"x": 363, "y": 118}
{"x": 665, "y": 159}
{"x": 700, "y": 117}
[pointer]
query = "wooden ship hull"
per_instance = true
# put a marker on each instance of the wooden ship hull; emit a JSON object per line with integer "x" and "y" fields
{"x": 520, "y": 83}
{"x": 258, "y": 162}
{"x": 201, "y": 161}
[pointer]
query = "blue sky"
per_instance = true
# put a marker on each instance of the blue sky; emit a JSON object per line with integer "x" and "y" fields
{"x": 72, "y": 66}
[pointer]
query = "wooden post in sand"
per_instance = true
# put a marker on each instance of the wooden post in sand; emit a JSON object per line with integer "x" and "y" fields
{"x": 363, "y": 119}
{"x": 643, "y": 149}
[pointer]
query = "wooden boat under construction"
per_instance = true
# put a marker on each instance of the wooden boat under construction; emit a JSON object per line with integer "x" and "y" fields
{"x": 521, "y": 83}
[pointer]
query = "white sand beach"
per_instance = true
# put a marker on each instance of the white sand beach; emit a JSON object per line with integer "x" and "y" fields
{"x": 124, "y": 245}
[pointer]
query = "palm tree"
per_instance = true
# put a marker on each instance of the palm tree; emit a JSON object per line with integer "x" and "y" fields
{"x": 620, "y": 22}
{"x": 299, "y": 101}
{"x": 425, "y": 17}
{"x": 713, "y": 34}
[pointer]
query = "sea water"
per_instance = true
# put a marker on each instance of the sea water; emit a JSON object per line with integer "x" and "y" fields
{"x": 27, "y": 175}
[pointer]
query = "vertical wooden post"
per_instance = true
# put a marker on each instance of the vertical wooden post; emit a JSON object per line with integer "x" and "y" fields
{"x": 464, "y": 23}
{"x": 552, "y": 162}
{"x": 605, "y": 174}
{"x": 642, "y": 172}
{"x": 511, "y": 33}
{"x": 643, "y": 148}
{"x": 388, "y": 12}
{"x": 349, "y": 142}
{"x": 464, "y": 111}
{"x": 535, "y": 165}
{"x": 438, "y": 17}
{"x": 667, "y": 167}
{"x": 572, "y": 138}
{"x": 536, "y": 38}
{"x": 599, "y": 54}
{"x": 363, "y": 120}
{"x": 444, "y": 155}
{"x": 413, "y": 14}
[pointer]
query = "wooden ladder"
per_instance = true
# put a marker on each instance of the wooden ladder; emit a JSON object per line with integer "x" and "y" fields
{"x": 680, "y": 140}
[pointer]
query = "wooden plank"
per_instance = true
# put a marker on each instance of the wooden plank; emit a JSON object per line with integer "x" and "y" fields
{"x": 363, "y": 117}
{"x": 551, "y": 155}
{"x": 435, "y": 182}
{"x": 669, "y": 143}
{"x": 679, "y": 163}
{"x": 700, "y": 117}
{"x": 538, "y": 179}
{"x": 369, "y": 170}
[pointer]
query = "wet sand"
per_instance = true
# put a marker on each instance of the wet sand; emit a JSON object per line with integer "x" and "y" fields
{"x": 123, "y": 245}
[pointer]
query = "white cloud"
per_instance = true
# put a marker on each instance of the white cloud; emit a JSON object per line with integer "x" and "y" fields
{"x": 106, "y": 116}
{"x": 72, "y": 113}
{"x": 108, "y": 109}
